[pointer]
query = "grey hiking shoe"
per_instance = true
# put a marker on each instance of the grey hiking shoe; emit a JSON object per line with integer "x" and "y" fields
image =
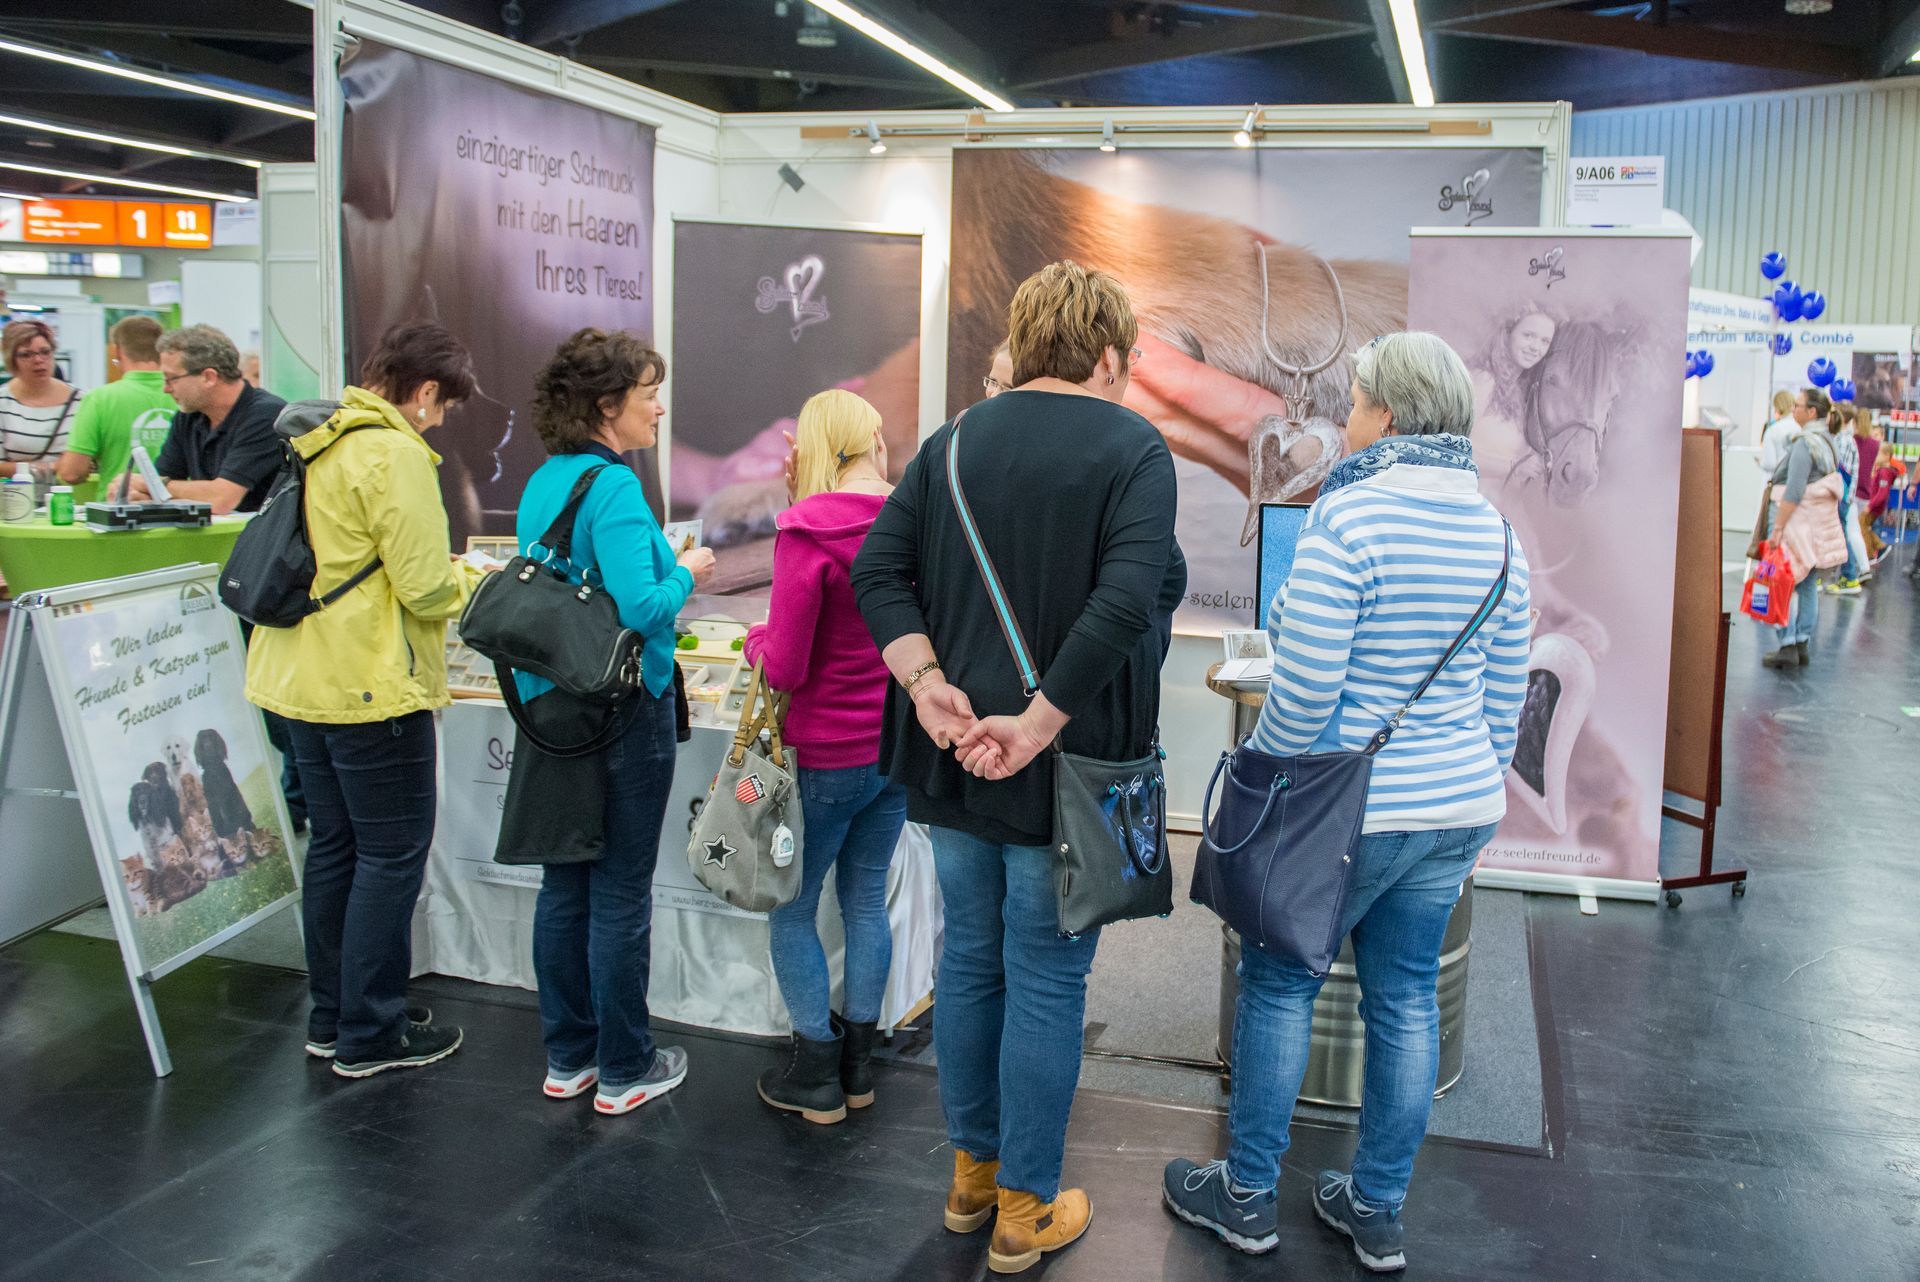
{"x": 1204, "y": 1197}
{"x": 1375, "y": 1230}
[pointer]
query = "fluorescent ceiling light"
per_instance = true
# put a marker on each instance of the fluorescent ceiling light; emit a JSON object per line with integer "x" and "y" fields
{"x": 1413, "y": 52}
{"x": 47, "y": 126}
{"x": 912, "y": 53}
{"x": 1106, "y": 138}
{"x": 879, "y": 148}
{"x": 111, "y": 181}
{"x": 153, "y": 78}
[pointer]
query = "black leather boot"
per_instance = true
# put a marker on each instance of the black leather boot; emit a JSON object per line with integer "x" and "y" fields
{"x": 807, "y": 1081}
{"x": 856, "y": 1050}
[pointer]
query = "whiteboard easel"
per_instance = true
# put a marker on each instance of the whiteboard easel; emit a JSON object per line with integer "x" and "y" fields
{"x": 57, "y": 835}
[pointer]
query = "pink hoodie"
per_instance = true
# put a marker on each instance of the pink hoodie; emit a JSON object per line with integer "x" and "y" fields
{"x": 814, "y": 642}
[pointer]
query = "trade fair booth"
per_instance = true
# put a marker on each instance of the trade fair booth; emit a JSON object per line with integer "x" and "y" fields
{"x": 515, "y": 196}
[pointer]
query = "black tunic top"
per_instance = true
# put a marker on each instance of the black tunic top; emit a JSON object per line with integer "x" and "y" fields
{"x": 1074, "y": 498}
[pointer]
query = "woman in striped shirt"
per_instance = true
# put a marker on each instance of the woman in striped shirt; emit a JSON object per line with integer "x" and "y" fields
{"x": 1397, "y": 554}
{"x": 35, "y": 407}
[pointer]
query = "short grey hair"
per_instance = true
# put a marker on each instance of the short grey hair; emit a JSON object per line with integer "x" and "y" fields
{"x": 203, "y": 347}
{"x": 1421, "y": 379}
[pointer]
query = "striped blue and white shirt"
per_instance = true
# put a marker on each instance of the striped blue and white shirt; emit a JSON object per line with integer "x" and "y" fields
{"x": 1387, "y": 573}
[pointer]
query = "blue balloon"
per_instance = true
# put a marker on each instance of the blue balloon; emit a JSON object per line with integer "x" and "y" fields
{"x": 1821, "y": 371}
{"x": 1841, "y": 389}
{"x": 1693, "y": 365}
{"x": 1773, "y": 266}
{"x": 1812, "y": 303}
{"x": 1703, "y": 362}
{"x": 1787, "y": 300}
{"x": 1782, "y": 344}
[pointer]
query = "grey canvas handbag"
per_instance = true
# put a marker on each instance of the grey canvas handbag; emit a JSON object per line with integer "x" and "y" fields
{"x": 1109, "y": 817}
{"x": 746, "y": 844}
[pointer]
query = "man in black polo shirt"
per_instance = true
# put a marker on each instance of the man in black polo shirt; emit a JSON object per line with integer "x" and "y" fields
{"x": 222, "y": 449}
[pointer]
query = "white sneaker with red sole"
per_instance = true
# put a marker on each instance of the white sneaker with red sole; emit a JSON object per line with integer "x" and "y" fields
{"x": 668, "y": 1071}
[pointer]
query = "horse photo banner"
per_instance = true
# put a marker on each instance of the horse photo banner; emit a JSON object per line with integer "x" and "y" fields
{"x": 1573, "y": 339}
{"x": 1241, "y": 266}
{"x": 512, "y": 218}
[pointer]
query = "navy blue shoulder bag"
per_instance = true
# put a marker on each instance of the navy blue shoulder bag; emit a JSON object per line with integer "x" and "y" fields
{"x": 1277, "y": 860}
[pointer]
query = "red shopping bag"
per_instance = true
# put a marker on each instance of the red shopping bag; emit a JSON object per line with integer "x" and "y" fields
{"x": 1768, "y": 594}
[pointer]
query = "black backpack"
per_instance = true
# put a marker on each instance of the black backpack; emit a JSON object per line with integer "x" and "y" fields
{"x": 268, "y": 579}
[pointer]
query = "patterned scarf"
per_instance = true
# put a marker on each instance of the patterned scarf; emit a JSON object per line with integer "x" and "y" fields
{"x": 1438, "y": 450}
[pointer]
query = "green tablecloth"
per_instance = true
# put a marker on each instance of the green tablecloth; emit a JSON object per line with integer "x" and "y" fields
{"x": 36, "y": 555}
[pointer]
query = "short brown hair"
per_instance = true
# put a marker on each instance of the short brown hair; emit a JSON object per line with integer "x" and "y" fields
{"x": 1063, "y": 317}
{"x": 16, "y": 334}
{"x": 138, "y": 338}
{"x": 1816, "y": 401}
{"x": 417, "y": 352}
{"x": 587, "y": 380}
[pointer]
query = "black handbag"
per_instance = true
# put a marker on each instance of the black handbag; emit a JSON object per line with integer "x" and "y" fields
{"x": 1277, "y": 860}
{"x": 556, "y": 805}
{"x": 1109, "y": 817}
{"x": 530, "y": 618}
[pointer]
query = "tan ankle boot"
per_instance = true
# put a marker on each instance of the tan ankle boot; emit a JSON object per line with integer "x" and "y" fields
{"x": 1029, "y": 1228}
{"x": 971, "y": 1200}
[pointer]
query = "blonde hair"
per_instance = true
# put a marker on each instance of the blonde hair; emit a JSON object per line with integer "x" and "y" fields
{"x": 837, "y": 429}
{"x": 1782, "y": 402}
{"x": 1063, "y": 317}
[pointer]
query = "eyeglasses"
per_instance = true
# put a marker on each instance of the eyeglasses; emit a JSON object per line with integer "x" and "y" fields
{"x": 1134, "y": 356}
{"x": 29, "y": 353}
{"x": 992, "y": 384}
{"x": 168, "y": 380}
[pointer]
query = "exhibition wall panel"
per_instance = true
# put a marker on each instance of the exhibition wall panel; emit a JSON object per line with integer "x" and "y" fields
{"x": 1829, "y": 176}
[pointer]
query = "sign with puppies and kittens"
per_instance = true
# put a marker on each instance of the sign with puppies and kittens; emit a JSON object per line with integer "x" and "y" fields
{"x": 180, "y": 792}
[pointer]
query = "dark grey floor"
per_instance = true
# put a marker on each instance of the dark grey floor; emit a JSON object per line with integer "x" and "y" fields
{"x": 1730, "y": 1086}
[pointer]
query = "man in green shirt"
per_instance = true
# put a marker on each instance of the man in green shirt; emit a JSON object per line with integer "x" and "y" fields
{"x": 136, "y": 408}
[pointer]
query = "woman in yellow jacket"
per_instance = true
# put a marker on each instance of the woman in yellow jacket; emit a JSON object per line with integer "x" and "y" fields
{"x": 357, "y": 683}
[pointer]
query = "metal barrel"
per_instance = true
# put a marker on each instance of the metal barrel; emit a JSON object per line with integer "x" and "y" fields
{"x": 1336, "y": 1062}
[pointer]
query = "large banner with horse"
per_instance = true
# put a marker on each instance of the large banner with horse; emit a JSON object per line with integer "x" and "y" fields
{"x": 1573, "y": 339}
{"x": 1255, "y": 275}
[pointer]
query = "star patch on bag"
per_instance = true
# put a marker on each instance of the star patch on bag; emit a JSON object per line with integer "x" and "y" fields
{"x": 718, "y": 851}
{"x": 750, "y": 790}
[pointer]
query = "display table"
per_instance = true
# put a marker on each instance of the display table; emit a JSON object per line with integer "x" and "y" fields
{"x": 35, "y": 554}
{"x": 1336, "y": 1062}
{"x": 711, "y": 967}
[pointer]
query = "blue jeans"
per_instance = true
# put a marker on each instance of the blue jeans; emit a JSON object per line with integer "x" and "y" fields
{"x": 593, "y": 922}
{"x": 1804, "y": 613}
{"x": 371, "y": 799}
{"x": 853, "y": 820}
{"x": 1851, "y": 570}
{"x": 1403, "y": 895}
{"x": 1010, "y": 1007}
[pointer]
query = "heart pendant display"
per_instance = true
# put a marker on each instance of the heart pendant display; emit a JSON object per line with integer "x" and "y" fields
{"x": 1559, "y": 697}
{"x": 1288, "y": 457}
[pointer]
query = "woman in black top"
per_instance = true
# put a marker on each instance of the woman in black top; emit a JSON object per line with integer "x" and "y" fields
{"x": 1074, "y": 498}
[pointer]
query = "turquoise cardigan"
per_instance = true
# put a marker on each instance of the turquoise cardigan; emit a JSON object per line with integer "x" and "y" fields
{"x": 615, "y": 532}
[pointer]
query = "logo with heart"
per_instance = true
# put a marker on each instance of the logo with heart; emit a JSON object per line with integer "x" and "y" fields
{"x": 1549, "y": 263}
{"x": 802, "y": 279}
{"x": 1471, "y": 192}
{"x": 1288, "y": 457}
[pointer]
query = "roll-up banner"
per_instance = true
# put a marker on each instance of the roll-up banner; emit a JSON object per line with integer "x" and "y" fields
{"x": 1242, "y": 266}
{"x": 508, "y": 216}
{"x": 763, "y": 318}
{"x": 1572, "y": 338}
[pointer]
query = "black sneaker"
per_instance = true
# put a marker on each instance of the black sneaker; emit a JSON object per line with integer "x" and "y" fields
{"x": 1204, "y": 1196}
{"x": 324, "y": 1047}
{"x": 415, "y": 1048}
{"x": 1374, "y": 1229}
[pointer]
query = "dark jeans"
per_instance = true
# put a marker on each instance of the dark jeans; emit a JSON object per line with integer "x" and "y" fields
{"x": 370, "y": 798}
{"x": 593, "y": 922}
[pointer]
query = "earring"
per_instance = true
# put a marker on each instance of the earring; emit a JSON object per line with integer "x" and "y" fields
{"x": 421, "y": 414}
{"x": 1109, "y": 380}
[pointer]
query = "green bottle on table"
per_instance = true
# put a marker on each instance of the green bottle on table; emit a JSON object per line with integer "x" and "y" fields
{"x": 60, "y": 505}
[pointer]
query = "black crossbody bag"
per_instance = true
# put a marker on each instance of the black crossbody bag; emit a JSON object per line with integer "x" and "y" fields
{"x": 1277, "y": 860}
{"x": 1109, "y": 817}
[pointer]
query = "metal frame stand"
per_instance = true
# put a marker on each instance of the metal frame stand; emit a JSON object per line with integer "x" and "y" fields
{"x": 1705, "y": 821}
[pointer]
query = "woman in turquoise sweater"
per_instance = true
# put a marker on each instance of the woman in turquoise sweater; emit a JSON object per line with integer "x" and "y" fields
{"x": 597, "y": 399}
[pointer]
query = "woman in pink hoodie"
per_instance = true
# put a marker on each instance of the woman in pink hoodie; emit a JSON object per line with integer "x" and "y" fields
{"x": 816, "y": 646}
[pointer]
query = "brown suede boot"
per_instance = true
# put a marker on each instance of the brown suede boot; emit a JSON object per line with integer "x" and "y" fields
{"x": 971, "y": 1200}
{"x": 1029, "y": 1228}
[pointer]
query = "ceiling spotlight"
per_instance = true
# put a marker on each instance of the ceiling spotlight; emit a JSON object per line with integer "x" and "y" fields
{"x": 1106, "y": 138}
{"x": 1243, "y": 136}
{"x": 1802, "y": 8}
{"x": 878, "y": 148}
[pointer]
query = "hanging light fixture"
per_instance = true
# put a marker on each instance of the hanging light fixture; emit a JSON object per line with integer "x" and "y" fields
{"x": 1805, "y": 8}
{"x": 1106, "y": 138}
{"x": 878, "y": 147}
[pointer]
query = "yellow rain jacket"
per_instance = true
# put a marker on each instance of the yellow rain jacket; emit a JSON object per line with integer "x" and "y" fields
{"x": 380, "y": 650}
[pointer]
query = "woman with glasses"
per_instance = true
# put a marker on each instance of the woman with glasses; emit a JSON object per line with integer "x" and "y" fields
{"x": 1074, "y": 497}
{"x": 1000, "y": 373}
{"x": 36, "y": 408}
